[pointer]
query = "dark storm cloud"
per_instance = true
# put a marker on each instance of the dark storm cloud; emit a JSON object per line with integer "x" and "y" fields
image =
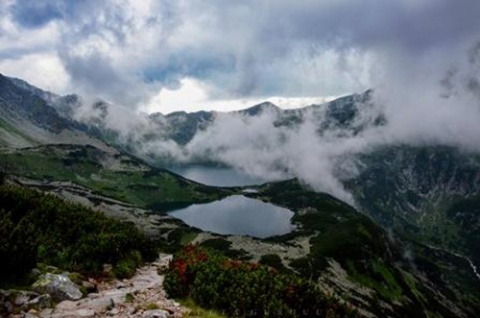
{"x": 250, "y": 48}
{"x": 414, "y": 25}
{"x": 420, "y": 56}
{"x": 33, "y": 14}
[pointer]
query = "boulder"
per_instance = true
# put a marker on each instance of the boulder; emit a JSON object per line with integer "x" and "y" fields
{"x": 58, "y": 286}
{"x": 22, "y": 300}
{"x": 156, "y": 313}
{"x": 40, "y": 302}
{"x": 21, "y": 297}
{"x": 84, "y": 312}
{"x": 35, "y": 273}
{"x": 89, "y": 287}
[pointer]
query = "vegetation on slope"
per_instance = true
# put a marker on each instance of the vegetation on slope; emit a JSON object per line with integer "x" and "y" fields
{"x": 36, "y": 227}
{"x": 241, "y": 289}
{"x": 429, "y": 194}
{"x": 370, "y": 256}
{"x": 113, "y": 175}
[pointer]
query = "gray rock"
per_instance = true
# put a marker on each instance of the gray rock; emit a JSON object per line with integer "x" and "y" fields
{"x": 52, "y": 269}
{"x": 35, "y": 273}
{"x": 85, "y": 313}
{"x": 60, "y": 287}
{"x": 40, "y": 302}
{"x": 46, "y": 313}
{"x": 111, "y": 304}
{"x": 18, "y": 299}
{"x": 21, "y": 297}
{"x": 8, "y": 307}
{"x": 89, "y": 287}
{"x": 114, "y": 312}
{"x": 107, "y": 269}
{"x": 156, "y": 313}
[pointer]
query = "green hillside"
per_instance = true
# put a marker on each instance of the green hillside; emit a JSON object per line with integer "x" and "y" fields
{"x": 113, "y": 175}
{"x": 40, "y": 228}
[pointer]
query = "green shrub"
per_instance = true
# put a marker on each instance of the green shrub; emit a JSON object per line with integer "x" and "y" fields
{"x": 244, "y": 289}
{"x": 224, "y": 247}
{"x": 129, "y": 298}
{"x": 272, "y": 260}
{"x": 125, "y": 268}
{"x": 36, "y": 227}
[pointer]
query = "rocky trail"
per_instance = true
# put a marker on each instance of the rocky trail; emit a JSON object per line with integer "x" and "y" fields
{"x": 141, "y": 296}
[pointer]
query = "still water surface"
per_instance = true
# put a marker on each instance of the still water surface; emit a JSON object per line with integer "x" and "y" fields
{"x": 216, "y": 176}
{"x": 238, "y": 215}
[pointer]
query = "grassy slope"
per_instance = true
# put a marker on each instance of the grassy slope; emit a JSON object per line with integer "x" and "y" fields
{"x": 336, "y": 230}
{"x": 37, "y": 227}
{"x": 113, "y": 175}
{"x": 418, "y": 191}
{"x": 370, "y": 257}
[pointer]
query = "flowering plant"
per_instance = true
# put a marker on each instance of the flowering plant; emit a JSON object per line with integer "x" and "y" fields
{"x": 246, "y": 289}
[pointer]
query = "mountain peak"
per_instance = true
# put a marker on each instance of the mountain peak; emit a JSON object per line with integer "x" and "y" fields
{"x": 260, "y": 108}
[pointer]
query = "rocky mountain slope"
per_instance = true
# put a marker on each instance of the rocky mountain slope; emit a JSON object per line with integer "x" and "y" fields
{"x": 406, "y": 273}
{"x": 427, "y": 193}
{"x": 26, "y": 119}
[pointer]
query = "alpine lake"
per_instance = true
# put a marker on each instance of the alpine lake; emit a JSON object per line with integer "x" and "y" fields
{"x": 236, "y": 214}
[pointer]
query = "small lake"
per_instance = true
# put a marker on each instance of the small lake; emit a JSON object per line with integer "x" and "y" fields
{"x": 238, "y": 215}
{"x": 217, "y": 176}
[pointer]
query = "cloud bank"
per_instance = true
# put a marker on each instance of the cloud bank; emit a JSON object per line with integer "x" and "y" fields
{"x": 422, "y": 57}
{"x": 127, "y": 51}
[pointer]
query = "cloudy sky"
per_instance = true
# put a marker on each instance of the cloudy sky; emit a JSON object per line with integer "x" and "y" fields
{"x": 161, "y": 55}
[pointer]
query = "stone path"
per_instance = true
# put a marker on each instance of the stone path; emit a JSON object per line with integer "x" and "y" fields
{"x": 141, "y": 296}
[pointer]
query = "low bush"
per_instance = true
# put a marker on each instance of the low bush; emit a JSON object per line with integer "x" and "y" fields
{"x": 238, "y": 288}
{"x": 274, "y": 261}
{"x": 36, "y": 227}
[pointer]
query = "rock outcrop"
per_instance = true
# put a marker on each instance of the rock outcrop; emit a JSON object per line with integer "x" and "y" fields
{"x": 20, "y": 300}
{"x": 59, "y": 286}
{"x": 141, "y": 296}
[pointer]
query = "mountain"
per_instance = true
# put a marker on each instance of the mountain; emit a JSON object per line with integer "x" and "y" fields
{"x": 40, "y": 144}
{"x": 27, "y": 119}
{"x": 352, "y": 113}
{"x": 392, "y": 270}
{"x": 353, "y": 258}
{"x": 430, "y": 193}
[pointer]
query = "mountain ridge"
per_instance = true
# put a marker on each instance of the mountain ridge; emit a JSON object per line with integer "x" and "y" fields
{"x": 354, "y": 258}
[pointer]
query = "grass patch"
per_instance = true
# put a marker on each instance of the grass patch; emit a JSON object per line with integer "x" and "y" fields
{"x": 381, "y": 279}
{"x": 188, "y": 238}
{"x": 199, "y": 312}
{"x": 135, "y": 183}
{"x": 224, "y": 246}
{"x": 151, "y": 306}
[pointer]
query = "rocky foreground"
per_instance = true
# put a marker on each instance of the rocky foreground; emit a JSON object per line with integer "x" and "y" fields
{"x": 141, "y": 296}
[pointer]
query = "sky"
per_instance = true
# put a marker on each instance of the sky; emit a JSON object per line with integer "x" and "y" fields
{"x": 160, "y": 55}
{"x": 420, "y": 57}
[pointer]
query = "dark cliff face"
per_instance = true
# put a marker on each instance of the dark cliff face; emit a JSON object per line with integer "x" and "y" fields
{"x": 19, "y": 103}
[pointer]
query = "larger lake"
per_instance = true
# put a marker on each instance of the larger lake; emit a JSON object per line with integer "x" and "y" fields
{"x": 217, "y": 176}
{"x": 238, "y": 215}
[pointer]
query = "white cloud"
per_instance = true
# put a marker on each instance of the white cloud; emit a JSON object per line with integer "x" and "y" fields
{"x": 44, "y": 70}
{"x": 189, "y": 95}
{"x": 192, "y": 95}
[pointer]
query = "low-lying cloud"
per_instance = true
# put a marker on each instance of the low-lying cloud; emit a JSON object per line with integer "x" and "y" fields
{"x": 420, "y": 57}
{"x": 443, "y": 111}
{"x": 127, "y": 51}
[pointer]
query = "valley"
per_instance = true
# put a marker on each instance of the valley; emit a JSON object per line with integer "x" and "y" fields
{"x": 387, "y": 255}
